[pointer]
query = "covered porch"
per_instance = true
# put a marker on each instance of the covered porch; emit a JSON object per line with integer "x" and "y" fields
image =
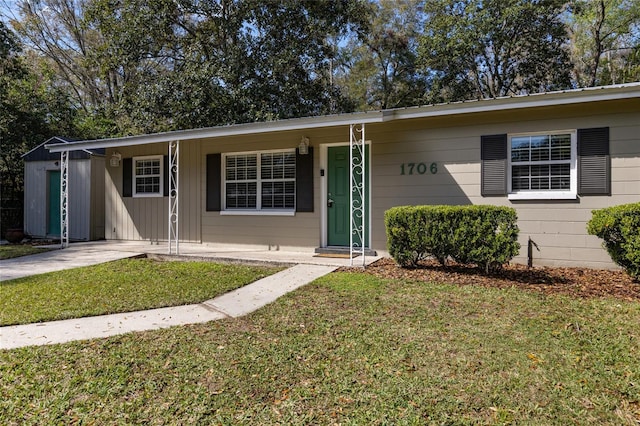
{"x": 187, "y": 190}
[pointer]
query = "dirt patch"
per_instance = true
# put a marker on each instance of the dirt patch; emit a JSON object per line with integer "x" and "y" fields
{"x": 578, "y": 282}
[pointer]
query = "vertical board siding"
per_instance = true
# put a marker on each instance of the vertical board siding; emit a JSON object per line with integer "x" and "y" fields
{"x": 97, "y": 213}
{"x": 35, "y": 197}
{"x": 146, "y": 218}
{"x": 79, "y": 206}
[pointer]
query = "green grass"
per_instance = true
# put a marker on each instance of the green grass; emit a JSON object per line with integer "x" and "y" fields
{"x": 9, "y": 251}
{"x": 120, "y": 286}
{"x": 350, "y": 349}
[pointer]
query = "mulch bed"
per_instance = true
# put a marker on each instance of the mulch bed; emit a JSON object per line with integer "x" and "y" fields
{"x": 577, "y": 282}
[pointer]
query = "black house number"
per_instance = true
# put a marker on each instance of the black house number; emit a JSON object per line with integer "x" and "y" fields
{"x": 418, "y": 168}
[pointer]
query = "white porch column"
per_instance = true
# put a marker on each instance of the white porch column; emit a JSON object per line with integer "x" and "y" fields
{"x": 174, "y": 224}
{"x": 64, "y": 199}
{"x": 357, "y": 193}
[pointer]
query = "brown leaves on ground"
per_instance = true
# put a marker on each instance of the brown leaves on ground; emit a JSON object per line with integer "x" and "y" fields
{"x": 577, "y": 282}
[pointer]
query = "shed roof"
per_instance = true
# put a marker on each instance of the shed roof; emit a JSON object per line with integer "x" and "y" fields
{"x": 41, "y": 153}
{"x": 564, "y": 97}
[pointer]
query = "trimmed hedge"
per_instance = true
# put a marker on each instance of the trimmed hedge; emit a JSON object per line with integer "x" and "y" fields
{"x": 482, "y": 235}
{"x": 619, "y": 227}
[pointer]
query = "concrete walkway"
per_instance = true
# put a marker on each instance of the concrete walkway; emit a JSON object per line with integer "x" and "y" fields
{"x": 234, "y": 304}
{"x": 308, "y": 267}
{"x": 73, "y": 256}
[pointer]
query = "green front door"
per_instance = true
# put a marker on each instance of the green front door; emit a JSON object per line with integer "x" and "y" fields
{"x": 53, "y": 220}
{"x": 339, "y": 211}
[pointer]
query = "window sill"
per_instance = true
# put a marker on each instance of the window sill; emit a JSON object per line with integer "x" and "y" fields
{"x": 257, "y": 213}
{"x": 147, "y": 195}
{"x": 543, "y": 196}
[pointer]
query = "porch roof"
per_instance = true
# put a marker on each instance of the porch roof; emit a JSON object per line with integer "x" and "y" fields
{"x": 565, "y": 97}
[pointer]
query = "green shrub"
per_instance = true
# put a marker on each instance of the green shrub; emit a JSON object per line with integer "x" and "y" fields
{"x": 619, "y": 228}
{"x": 482, "y": 235}
{"x": 486, "y": 236}
{"x": 406, "y": 231}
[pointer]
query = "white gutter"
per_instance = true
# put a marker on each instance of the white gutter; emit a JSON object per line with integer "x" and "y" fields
{"x": 567, "y": 97}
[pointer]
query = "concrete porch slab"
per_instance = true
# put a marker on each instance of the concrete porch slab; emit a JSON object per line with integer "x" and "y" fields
{"x": 227, "y": 252}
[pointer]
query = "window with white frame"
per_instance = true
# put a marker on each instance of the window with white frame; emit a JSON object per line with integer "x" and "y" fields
{"x": 542, "y": 165}
{"x": 262, "y": 181}
{"x": 147, "y": 176}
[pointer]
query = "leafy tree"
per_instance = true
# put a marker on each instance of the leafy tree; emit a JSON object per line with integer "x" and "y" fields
{"x": 492, "y": 48}
{"x": 605, "y": 39}
{"x": 290, "y": 40}
{"x": 378, "y": 67}
{"x": 153, "y": 66}
{"x": 31, "y": 110}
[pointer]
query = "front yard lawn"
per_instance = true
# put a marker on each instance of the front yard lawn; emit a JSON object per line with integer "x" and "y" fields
{"x": 120, "y": 286}
{"x": 9, "y": 251}
{"x": 350, "y": 348}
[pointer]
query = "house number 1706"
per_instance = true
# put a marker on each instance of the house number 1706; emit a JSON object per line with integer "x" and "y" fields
{"x": 418, "y": 168}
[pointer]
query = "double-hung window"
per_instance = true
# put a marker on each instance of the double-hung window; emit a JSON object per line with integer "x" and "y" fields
{"x": 542, "y": 165}
{"x": 262, "y": 181}
{"x": 147, "y": 176}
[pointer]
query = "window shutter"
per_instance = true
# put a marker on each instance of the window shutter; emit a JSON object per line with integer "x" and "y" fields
{"x": 493, "y": 152}
{"x": 594, "y": 162}
{"x": 214, "y": 176}
{"x": 127, "y": 179}
{"x": 304, "y": 181}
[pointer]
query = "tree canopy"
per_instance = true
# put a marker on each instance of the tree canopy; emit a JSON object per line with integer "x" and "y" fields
{"x": 491, "y": 48}
{"x": 135, "y": 66}
{"x": 163, "y": 65}
{"x": 31, "y": 110}
{"x": 605, "y": 41}
{"x": 103, "y": 68}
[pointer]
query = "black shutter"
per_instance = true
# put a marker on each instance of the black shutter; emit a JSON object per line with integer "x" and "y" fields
{"x": 166, "y": 170}
{"x": 493, "y": 152}
{"x": 127, "y": 179}
{"x": 594, "y": 162}
{"x": 304, "y": 181}
{"x": 214, "y": 176}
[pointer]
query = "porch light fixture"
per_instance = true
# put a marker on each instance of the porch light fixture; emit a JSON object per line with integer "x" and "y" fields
{"x": 115, "y": 159}
{"x": 303, "y": 148}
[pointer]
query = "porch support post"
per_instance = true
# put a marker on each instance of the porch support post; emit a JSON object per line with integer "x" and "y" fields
{"x": 64, "y": 199}
{"x": 174, "y": 224}
{"x": 357, "y": 193}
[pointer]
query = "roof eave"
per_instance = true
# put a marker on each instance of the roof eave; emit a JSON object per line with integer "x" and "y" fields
{"x": 587, "y": 95}
{"x": 568, "y": 97}
{"x": 45, "y": 143}
{"x": 225, "y": 131}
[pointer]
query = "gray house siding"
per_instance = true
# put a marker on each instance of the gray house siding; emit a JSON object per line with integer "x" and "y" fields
{"x": 451, "y": 143}
{"x": 558, "y": 227}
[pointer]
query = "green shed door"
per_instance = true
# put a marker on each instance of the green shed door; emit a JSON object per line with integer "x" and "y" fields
{"x": 53, "y": 220}
{"x": 338, "y": 210}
